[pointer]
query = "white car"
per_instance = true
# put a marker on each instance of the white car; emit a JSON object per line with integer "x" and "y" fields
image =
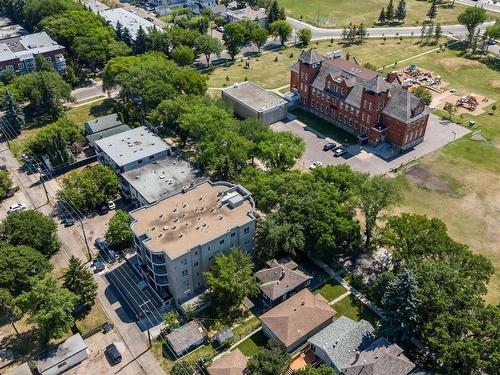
{"x": 315, "y": 165}
{"x": 16, "y": 207}
{"x": 111, "y": 205}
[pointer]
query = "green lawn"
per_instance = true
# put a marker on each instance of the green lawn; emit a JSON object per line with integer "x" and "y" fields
{"x": 331, "y": 290}
{"x": 245, "y": 328}
{"x": 93, "y": 319}
{"x": 250, "y": 346}
{"x": 338, "y": 13}
{"x": 271, "y": 70}
{"x": 352, "y": 308}
{"x": 88, "y": 111}
{"x": 324, "y": 127}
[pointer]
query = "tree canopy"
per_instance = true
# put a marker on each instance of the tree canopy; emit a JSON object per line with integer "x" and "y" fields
{"x": 119, "y": 235}
{"x": 281, "y": 29}
{"x": 80, "y": 280}
{"x": 5, "y": 184}
{"x": 269, "y": 361}
{"x": 471, "y": 18}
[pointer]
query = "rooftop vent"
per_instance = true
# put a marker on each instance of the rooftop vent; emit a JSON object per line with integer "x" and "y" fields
{"x": 176, "y": 220}
{"x": 180, "y": 235}
{"x": 165, "y": 229}
{"x": 161, "y": 215}
{"x": 221, "y": 217}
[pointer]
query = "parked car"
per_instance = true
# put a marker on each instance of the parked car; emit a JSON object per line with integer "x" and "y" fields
{"x": 107, "y": 327}
{"x": 339, "y": 151}
{"x": 103, "y": 210}
{"x": 150, "y": 19}
{"x": 109, "y": 254}
{"x": 99, "y": 265}
{"x": 101, "y": 244}
{"x": 329, "y": 146}
{"x": 16, "y": 207}
{"x": 113, "y": 354}
{"x": 68, "y": 221}
{"x": 220, "y": 29}
{"x": 315, "y": 165}
{"x": 111, "y": 205}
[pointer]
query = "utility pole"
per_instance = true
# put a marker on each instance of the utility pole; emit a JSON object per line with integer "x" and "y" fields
{"x": 42, "y": 180}
{"x": 85, "y": 239}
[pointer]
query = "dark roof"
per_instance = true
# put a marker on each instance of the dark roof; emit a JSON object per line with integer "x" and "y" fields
{"x": 295, "y": 67}
{"x": 225, "y": 334}
{"x": 280, "y": 279}
{"x": 377, "y": 84}
{"x": 61, "y": 352}
{"x": 107, "y": 133}
{"x": 103, "y": 123}
{"x": 381, "y": 357}
{"x": 185, "y": 337}
{"x": 341, "y": 339}
{"x": 311, "y": 57}
{"x": 402, "y": 104}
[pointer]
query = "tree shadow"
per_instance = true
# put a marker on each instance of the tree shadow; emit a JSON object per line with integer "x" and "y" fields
{"x": 103, "y": 108}
{"x": 24, "y": 345}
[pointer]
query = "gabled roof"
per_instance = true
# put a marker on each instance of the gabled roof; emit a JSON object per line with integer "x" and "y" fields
{"x": 232, "y": 363}
{"x": 280, "y": 279}
{"x": 186, "y": 336}
{"x": 381, "y": 357}
{"x": 401, "y": 105}
{"x": 342, "y": 339}
{"x": 103, "y": 123}
{"x": 377, "y": 84}
{"x": 311, "y": 57}
{"x": 297, "y": 316}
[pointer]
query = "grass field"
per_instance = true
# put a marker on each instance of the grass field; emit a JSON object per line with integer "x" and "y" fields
{"x": 352, "y": 308}
{"x": 471, "y": 209}
{"x": 271, "y": 74}
{"x": 88, "y": 111}
{"x": 93, "y": 319}
{"x": 331, "y": 290}
{"x": 250, "y": 346}
{"x": 338, "y": 13}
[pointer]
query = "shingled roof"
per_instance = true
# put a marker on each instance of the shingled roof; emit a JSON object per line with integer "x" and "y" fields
{"x": 401, "y": 105}
{"x": 280, "y": 279}
{"x": 381, "y": 357}
{"x": 311, "y": 57}
{"x": 232, "y": 363}
{"x": 296, "y": 317}
{"x": 377, "y": 84}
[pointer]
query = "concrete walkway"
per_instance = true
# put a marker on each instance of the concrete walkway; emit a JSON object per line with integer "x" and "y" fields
{"x": 339, "y": 298}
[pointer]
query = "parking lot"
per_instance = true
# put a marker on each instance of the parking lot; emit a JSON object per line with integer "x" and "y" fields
{"x": 362, "y": 157}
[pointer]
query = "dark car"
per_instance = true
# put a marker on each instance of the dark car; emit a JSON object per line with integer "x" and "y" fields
{"x": 329, "y": 146}
{"x": 100, "y": 244}
{"x": 98, "y": 265}
{"x": 68, "y": 222}
{"x": 113, "y": 354}
{"x": 103, "y": 210}
{"x": 107, "y": 327}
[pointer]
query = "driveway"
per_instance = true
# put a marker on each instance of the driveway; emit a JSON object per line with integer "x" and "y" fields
{"x": 363, "y": 158}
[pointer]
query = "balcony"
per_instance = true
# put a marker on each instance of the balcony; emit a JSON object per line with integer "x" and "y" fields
{"x": 161, "y": 280}
{"x": 160, "y": 270}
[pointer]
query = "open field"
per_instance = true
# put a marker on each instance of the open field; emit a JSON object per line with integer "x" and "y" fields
{"x": 470, "y": 206}
{"x": 338, "y": 13}
{"x": 271, "y": 74}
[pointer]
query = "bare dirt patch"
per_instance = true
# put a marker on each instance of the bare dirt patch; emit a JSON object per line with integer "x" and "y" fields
{"x": 422, "y": 177}
{"x": 452, "y": 64}
{"x": 495, "y": 83}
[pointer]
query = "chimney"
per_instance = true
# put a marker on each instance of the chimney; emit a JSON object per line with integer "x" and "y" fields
{"x": 347, "y": 56}
{"x": 391, "y": 76}
{"x": 282, "y": 276}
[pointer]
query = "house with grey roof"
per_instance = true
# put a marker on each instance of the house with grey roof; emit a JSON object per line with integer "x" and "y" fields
{"x": 338, "y": 344}
{"x": 187, "y": 338}
{"x": 223, "y": 336}
{"x": 280, "y": 281}
{"x": 258, "y": 15}
{"x": 381, "y": 357}
{"x": 102, "y": 123}
{"x": 62, "y": 357}
{"x": 92, "y": 138}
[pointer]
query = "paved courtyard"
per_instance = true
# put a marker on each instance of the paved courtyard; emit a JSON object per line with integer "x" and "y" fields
{"x": 363, "y": 158}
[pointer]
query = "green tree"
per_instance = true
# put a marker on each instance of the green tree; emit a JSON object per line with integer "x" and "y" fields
{"x": 493, "y": 31}
{"x": 305, "y": 36}
{"x": 376, "y": 194}
{"x": 118, "y": 30}
{"x": 322, "y": 370}
{"x": 233, "y": 37}
{"x": 381, "y": 16}
{"x": 42, "y": 64}
{"x": 31, "y": 228}
{"x": 183, "y": 55}
{"x": 400, "y": 303}
{"x": 280, "y": 150}
{"x": 171, "y": 320}
{"x": 36, "y": 10}
{"x": 139, "y": 44}
{"x": 5, "y": 184}
{"x": 389, "y": 13}
{"x": 281, "y": 29}
{"x": 119, "y": 235}
{"x": 274, "y": 13}
{"x": 9, "y": 308}
{"x": 259, "y": 37}
{"x": 432, "y": 12}
{"x": 471, "y": 18}
{"x": 79, "y": 280}
{"x": 361, "y": 33}
{"x": 401, "y": 11}
{"x": 438, "y": 32}
{"x": 49, "y": 307}
{"x": 126, "y": 37}
{"x": 207, "y": 45}
{"x": 422, "y": 93}
{"x": 273, "y": 361}
{"x": 14, "y": 115}
{"x": 231, "y": 279}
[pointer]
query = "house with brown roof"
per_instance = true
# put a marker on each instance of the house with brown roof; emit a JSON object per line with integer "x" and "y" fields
{"x": 231, "y": 363}
{"x": 280, "y": 281}
{"x": 298, "y": 318}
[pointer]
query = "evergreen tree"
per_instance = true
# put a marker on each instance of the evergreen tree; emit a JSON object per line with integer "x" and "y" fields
{"x": 126, "y": 37}
{"x": 50, "y": 103}
{"x": 400, "y": 304}
{"x": 475, "y": 42}
{"x": 274, "y": 13}
{"x": 18, "y": 13}
{"x": 389, "y": 13}
{"x": 401, "y": 11}
{"x": 282, "y": 15}
{"x": 438, "y": 32}
{"x": 79, "y": 280}
{"x": 361, "y": 32}
{"x": 119, "y": 31}
{"x": 483, "y": 43}
{"x": 345, "y": 35}
{"x": 430, "y": 33}
{"x": 140, "y": 42}
{"x": 423, "y": 32}
{"x": 381, "y": 17}
{"x": 432, "y": 13}
{"x": 13, "y": 113}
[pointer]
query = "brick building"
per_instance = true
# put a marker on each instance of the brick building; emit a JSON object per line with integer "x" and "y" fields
{"x": 359, "y": 100}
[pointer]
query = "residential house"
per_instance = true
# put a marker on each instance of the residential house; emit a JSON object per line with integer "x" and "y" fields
{"x": 18, "y": 53}
{"x": 381, "y": 357}
{"x": 178, "y": 238}
{"x": 218, "y": 10}
{"x": 230, "y": 363}
{"x": 187, "y": 338}
{"x": 297, "y": 319}
{"x": 258, "y": 15}
{"x": 280, "y": 281}
{"x": 131, "y": 149}
{"x": 359, "y": 100}
{"x": 338, "y": 343}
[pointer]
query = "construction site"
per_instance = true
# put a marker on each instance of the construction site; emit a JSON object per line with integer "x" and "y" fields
{"x": 443, "y": 97}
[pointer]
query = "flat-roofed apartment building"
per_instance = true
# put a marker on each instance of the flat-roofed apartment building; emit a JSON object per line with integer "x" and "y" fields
{"x": 178, "y": 238}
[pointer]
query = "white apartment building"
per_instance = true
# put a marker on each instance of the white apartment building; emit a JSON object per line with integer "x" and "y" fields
{"x": 178, "y": 238}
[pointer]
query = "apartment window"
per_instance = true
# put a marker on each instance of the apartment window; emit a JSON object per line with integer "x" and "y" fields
{"x": 184, "y": 273}
{"x": 139, "y": 161}
{"x": 340, "y": 117}
{"x": 368, "y": 118}
{"x": 352, "y": 109}
{"x": 341, "y": 104}
{"x": 233, "y": 234}
{"x": 221, "y": 242}
{"x": 184, "y": 261}
{"x": 151, "y": 157}
{"x": 322, "y": 108}
{"x": 195, "y": 264}
{"x": 196, "y": 252}
{"x": 357, "y": 112}
{"x": 186, "y": 282}
{"x": 370, "y": 106}
{"x": 350, "y": 122}
{"x": 246, "y": 230}
{"x": 345, "y": 120}
{"x": 211, "y": 258}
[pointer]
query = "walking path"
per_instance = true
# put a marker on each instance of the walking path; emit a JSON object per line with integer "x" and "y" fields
{"x": 339, "y": 298}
